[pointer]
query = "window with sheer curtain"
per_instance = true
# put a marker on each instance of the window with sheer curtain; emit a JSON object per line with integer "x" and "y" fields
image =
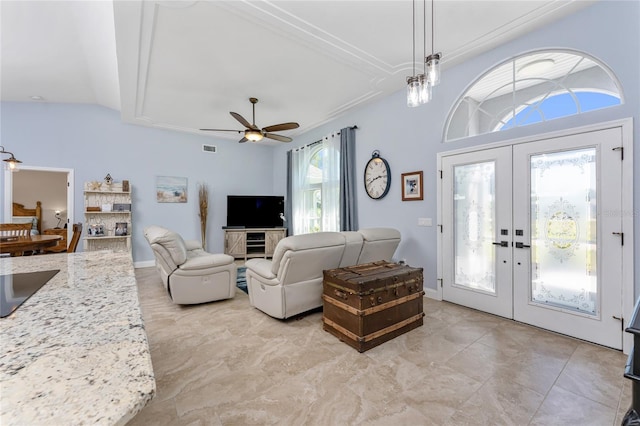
{"x": 316, "y": 186}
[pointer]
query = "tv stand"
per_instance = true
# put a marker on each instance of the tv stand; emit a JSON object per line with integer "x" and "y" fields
{"x": 252, "y": 242}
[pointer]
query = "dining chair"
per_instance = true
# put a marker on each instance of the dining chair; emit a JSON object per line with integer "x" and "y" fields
{"x": 15, "y": 229}
{"x": 73, "y": 244}
{"x": 77, "y": 230}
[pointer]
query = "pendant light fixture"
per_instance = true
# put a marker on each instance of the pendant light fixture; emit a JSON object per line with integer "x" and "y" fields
{"x": 433, "y": 61}
{"x": 418, "y": 86}
{"x": 413, "y": 82}
{"x": 12, "y": 162}
{"x": 425, "y": 84}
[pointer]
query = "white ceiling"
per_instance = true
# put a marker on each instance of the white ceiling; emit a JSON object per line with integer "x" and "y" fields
{"x": 184, "y": 65}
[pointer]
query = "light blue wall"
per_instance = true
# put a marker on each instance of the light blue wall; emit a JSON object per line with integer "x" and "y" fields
{"x": 94, "y": 141}
{"x": 411, "y": 138}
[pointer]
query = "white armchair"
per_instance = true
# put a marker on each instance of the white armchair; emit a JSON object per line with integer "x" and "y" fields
{"x": 291, "y": 282}
{"x": 190, "y": 274}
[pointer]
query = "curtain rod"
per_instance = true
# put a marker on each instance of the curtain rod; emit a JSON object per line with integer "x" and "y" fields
{"x": 351, "y": 127}
{"x": 355, "y": 127}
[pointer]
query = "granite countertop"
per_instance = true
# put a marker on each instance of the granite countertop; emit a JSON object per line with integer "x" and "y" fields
{"x": 76, "y": 352}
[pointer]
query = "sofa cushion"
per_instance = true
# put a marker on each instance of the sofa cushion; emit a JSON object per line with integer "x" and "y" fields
{"x": 352, "y": 249}
{"x": 170, "y": 240}
{"x": 379, "y": 244}
{"x": 193, "y": 245}
{"x": 304, "y": 242}
{"x": 261, "y": 267}
{"x": 377, "y": 234}
{"x": 205, "y": 261}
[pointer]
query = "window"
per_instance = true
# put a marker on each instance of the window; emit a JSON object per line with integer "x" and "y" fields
{"x": 312, "y": 193}
{"x": 316, "y": 187}
{"x": 533, "y": 88}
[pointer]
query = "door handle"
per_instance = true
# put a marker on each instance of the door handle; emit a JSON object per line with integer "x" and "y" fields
{"x": 502, "y": 244}
{"x": 522, "y": 245}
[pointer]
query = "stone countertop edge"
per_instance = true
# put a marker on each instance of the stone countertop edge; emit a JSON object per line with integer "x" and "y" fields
{"x": 76, "y": 352}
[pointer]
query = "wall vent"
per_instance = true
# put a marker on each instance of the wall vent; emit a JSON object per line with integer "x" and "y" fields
{"x": 210, "y": 148}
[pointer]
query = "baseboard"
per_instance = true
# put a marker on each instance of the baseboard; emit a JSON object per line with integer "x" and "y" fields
{"x": 432, "y": 294}
{"x": 144, "y": 264}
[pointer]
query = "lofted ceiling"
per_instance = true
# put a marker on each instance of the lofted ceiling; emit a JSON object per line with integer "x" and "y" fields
{"x": 184, "y": 65}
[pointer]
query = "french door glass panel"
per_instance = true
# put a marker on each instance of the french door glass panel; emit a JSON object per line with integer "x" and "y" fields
{"x": 563, "y": 230}
{"x": 476, "y": 200}
{"x": 570, "y": 279}
{"x": 474, "y": 222}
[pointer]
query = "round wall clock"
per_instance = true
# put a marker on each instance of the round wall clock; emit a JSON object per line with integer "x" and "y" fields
{"x": 377, "y": 176}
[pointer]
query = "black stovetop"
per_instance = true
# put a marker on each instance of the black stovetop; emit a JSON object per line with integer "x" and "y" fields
{"x": 15, "y": 289}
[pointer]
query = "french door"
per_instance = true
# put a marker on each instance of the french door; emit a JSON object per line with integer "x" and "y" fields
{"x": 528, "y": 233}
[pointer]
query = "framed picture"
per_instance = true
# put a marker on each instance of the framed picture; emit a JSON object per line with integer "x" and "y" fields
{"x": 119, "y": 207}
{"x": 121, "y": 229}
{"x": 411, "y": 186}
{"x": 170, "y": 189}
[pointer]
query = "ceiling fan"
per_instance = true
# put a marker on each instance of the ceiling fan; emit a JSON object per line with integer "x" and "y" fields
{"x": 253, "y": 133}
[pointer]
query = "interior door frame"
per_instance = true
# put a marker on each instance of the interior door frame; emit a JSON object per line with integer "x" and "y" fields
{"x": 8, "y": 192}
{"x": 626, "y": 127}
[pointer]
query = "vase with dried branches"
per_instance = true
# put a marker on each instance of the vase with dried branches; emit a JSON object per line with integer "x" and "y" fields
{"x": 203, "y": 198}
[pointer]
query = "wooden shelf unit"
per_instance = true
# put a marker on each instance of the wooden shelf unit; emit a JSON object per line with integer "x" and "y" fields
{"x": 107, "y": 195}
{"x": 252, "y": 242}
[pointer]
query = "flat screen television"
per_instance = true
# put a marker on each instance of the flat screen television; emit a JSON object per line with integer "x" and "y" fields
{"x": 255, "y": 211}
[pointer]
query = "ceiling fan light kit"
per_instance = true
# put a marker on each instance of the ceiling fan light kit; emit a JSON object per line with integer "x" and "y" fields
{"x": 253, "y": 133}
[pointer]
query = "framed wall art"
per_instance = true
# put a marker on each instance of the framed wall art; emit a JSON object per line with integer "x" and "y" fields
{"x": 171, "y": 189}
{"x": 412, "y": 186}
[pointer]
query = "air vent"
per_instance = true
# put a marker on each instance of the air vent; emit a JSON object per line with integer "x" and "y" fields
{"x": 210, "y": 148}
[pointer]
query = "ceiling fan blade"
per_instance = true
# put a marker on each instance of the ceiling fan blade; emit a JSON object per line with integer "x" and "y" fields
{"x": 221, "y": 130}
{"x": 243, "y": 140}
{"x": 282, "y": 126}
{"x": 242, "y": 121}
{"x": 277, "y": 137}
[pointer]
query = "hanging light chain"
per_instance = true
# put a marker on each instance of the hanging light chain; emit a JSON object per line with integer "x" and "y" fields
{"x": 433, "y": 61}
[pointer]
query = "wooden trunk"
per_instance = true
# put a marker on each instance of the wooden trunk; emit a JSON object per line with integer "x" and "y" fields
{"x": 367, "y": 305}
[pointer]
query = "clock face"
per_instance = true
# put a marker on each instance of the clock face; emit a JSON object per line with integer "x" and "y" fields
{"x": 377, "y": 178}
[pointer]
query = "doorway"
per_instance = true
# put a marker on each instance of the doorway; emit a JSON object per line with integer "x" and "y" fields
{"x": 53, "y": 187}
{"x": 534, "y": 231}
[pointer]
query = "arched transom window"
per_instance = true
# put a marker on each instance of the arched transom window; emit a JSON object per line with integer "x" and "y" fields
{"x": 533, "y": 88}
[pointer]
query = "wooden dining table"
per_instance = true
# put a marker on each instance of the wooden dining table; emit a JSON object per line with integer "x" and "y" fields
{"x": 15, "y": 245}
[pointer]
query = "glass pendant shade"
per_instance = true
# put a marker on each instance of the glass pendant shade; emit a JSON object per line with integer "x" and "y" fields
{"x": 433, "y": 68}
{"x": 413, "y": 91}
{"x": 425, "y": 89}
{"x": 12, "y": 163}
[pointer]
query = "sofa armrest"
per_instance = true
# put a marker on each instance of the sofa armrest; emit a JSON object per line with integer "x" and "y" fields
{"x": 206, "y": 261}
{"x": 261, "y": 267}
{"x": 192, "y": 244}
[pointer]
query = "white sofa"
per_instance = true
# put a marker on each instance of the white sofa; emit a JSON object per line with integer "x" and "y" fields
{"x": 190, "y": 274}
{"x": 291, "y": 282}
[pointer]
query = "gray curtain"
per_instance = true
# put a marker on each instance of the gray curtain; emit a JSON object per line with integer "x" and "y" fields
{"x": 288, "y": 208}
{"x": 348, "y": 197}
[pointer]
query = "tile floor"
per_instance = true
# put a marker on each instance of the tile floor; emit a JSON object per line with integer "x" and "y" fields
{"x": 225, "y": 363}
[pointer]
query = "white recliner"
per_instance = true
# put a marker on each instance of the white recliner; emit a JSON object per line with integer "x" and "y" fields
{"x": 190, "y": 274}
{"x": 291, "y": 283}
